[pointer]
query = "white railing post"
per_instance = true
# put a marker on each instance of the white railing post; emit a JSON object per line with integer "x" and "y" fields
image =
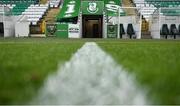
{"x": 159, "y": 22}
{"x": 140, "y": 29}
{"x": 118, "y": 33}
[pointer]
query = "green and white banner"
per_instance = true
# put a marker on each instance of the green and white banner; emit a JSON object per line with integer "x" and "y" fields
{"x": 73, "y": 31}
{"x": 51, "y": 29}
{"x": 70, "y": 9}
{"x": 92, "y": 7}
{"x": 97, "y": 7}
{"x": 112, "y": 31}
{"x": 63, "y": 30}
{"x": 112, "y": 6}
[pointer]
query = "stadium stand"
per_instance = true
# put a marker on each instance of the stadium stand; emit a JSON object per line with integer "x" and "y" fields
{"x": 128, "y": 3}
{"x": 162, "y": 15}
{"x": 54, "y": 3}
{"x": 19, "y": 8}
{"x": 28, "y": 8}
{"x": 18, "y": 1}
{"x": 35, "y": 12}
{"x": 166, "y": 3}
{"x": 10, "y": 6}
{"x": 51, "y": 15}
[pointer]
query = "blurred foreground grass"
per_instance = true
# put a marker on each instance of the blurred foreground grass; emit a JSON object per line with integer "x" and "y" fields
{"x": 26, "y": 62}
{"x": 155, "y": 63}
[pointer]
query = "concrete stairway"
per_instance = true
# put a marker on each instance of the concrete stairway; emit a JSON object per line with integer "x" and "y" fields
{"x": 51, "y": 15}
{"x": 43, "y": 1}
{"x": 129, "y": 3}
{"x": 146, "y": 35}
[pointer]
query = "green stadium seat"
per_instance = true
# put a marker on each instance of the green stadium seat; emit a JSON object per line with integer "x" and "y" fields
{"x": 179, "y": 29}
{"x": 164, "y": 30}
{"x": 20, "y": 5}
{"x": 130, "y": 30}
{"x": 166, "y": 3}
{"x": 19, "y": 8}
{"x": 173, "y": 30}
{"x": 122, "y": 32}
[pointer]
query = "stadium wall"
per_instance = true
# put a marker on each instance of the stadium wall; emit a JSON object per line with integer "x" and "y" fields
{"x": 9, "y": 25}
{"x": 22, "y": 29}
{"x": 157, "y": 23}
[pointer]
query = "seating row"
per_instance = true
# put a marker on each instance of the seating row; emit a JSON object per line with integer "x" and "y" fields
{"x": 130, "y": 31}
{"x": 18, "y": 1}
{"x": 35, "y": 12}
{"x": 54, "y": 3}
{"x": 170, "y": 31}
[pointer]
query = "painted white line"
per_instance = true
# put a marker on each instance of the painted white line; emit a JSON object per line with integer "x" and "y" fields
{"x": 91, "y": 77}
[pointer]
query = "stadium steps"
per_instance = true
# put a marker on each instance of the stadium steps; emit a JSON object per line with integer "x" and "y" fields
{"x": 38, "y": 35}
{"x": 146, "y": 35}
{"x": 145, "y": 25}
{"x": 51, "y": 15}
{"x": 128, "y": 3}
{"x": 54, "y": 3}
{"x": 43, "y": 1}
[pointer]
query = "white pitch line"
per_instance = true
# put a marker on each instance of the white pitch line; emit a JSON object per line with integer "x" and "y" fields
{"x": 91, "y": 77}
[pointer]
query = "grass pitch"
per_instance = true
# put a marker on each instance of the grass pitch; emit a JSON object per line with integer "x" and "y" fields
{"x": 25, "y": 63}
{"x": 156, "y": 65}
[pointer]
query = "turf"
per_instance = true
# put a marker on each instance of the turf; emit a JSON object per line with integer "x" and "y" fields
{"x": 155, "y": 63}
{"x": 25, "y": 63}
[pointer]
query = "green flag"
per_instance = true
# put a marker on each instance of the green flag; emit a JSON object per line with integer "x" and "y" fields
{"x": 111, "y": 7}
{"x": 92, "y": 7}
{"x": 70, "y": 9}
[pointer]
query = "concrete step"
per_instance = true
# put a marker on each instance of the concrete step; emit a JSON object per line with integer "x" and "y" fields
{"x": 146, "y": 35}
{"x": 51, "y": 15}
{"x": 38, "y": 35}
{"x": 128, "y": 3}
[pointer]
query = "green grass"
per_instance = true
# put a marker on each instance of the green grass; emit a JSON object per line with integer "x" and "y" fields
{"x": 25, "y": 63}
{"x": 155, "y": 63}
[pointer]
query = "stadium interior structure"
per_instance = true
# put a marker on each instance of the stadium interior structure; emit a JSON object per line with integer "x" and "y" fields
{"x": 125, "y": 19}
